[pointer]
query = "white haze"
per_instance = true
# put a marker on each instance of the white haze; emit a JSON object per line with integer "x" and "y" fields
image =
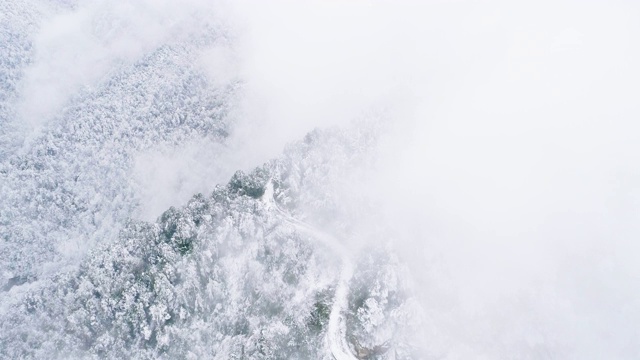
{"x": 510, "y": 170}
{"x": 511, "y": 174}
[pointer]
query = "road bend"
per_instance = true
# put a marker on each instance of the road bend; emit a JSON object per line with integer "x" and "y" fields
{"x": 337, "y": 329}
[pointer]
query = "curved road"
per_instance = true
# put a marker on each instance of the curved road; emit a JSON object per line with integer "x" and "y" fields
{"x": 337, "y": 330}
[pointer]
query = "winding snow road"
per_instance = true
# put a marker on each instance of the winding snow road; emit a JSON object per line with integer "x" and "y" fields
{"x": 337, "y": 330}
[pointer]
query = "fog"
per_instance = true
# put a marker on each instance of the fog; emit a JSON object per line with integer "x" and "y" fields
{"x": 508, "y": 171}
{"x": 510, "y": 168}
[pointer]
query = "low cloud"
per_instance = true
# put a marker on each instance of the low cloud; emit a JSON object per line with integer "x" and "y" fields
{"x": 509, "y": 171}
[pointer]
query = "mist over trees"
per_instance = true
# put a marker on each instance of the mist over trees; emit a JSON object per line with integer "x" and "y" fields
{"x": 319, "y": 179}
{"x": 225, "y": 276}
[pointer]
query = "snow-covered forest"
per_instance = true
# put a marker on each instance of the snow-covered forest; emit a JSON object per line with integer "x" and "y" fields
{"x": 319, "y": 180}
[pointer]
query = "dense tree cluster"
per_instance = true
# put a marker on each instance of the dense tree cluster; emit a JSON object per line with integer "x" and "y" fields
{"x": 226, "y": 277}
{"x": 219, "y": 277}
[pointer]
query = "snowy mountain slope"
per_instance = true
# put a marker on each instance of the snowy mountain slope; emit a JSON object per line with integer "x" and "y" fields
{"x": 241, "y": 273}
{"x": 68, "y": 185}
{"x": 227, "y": 276}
